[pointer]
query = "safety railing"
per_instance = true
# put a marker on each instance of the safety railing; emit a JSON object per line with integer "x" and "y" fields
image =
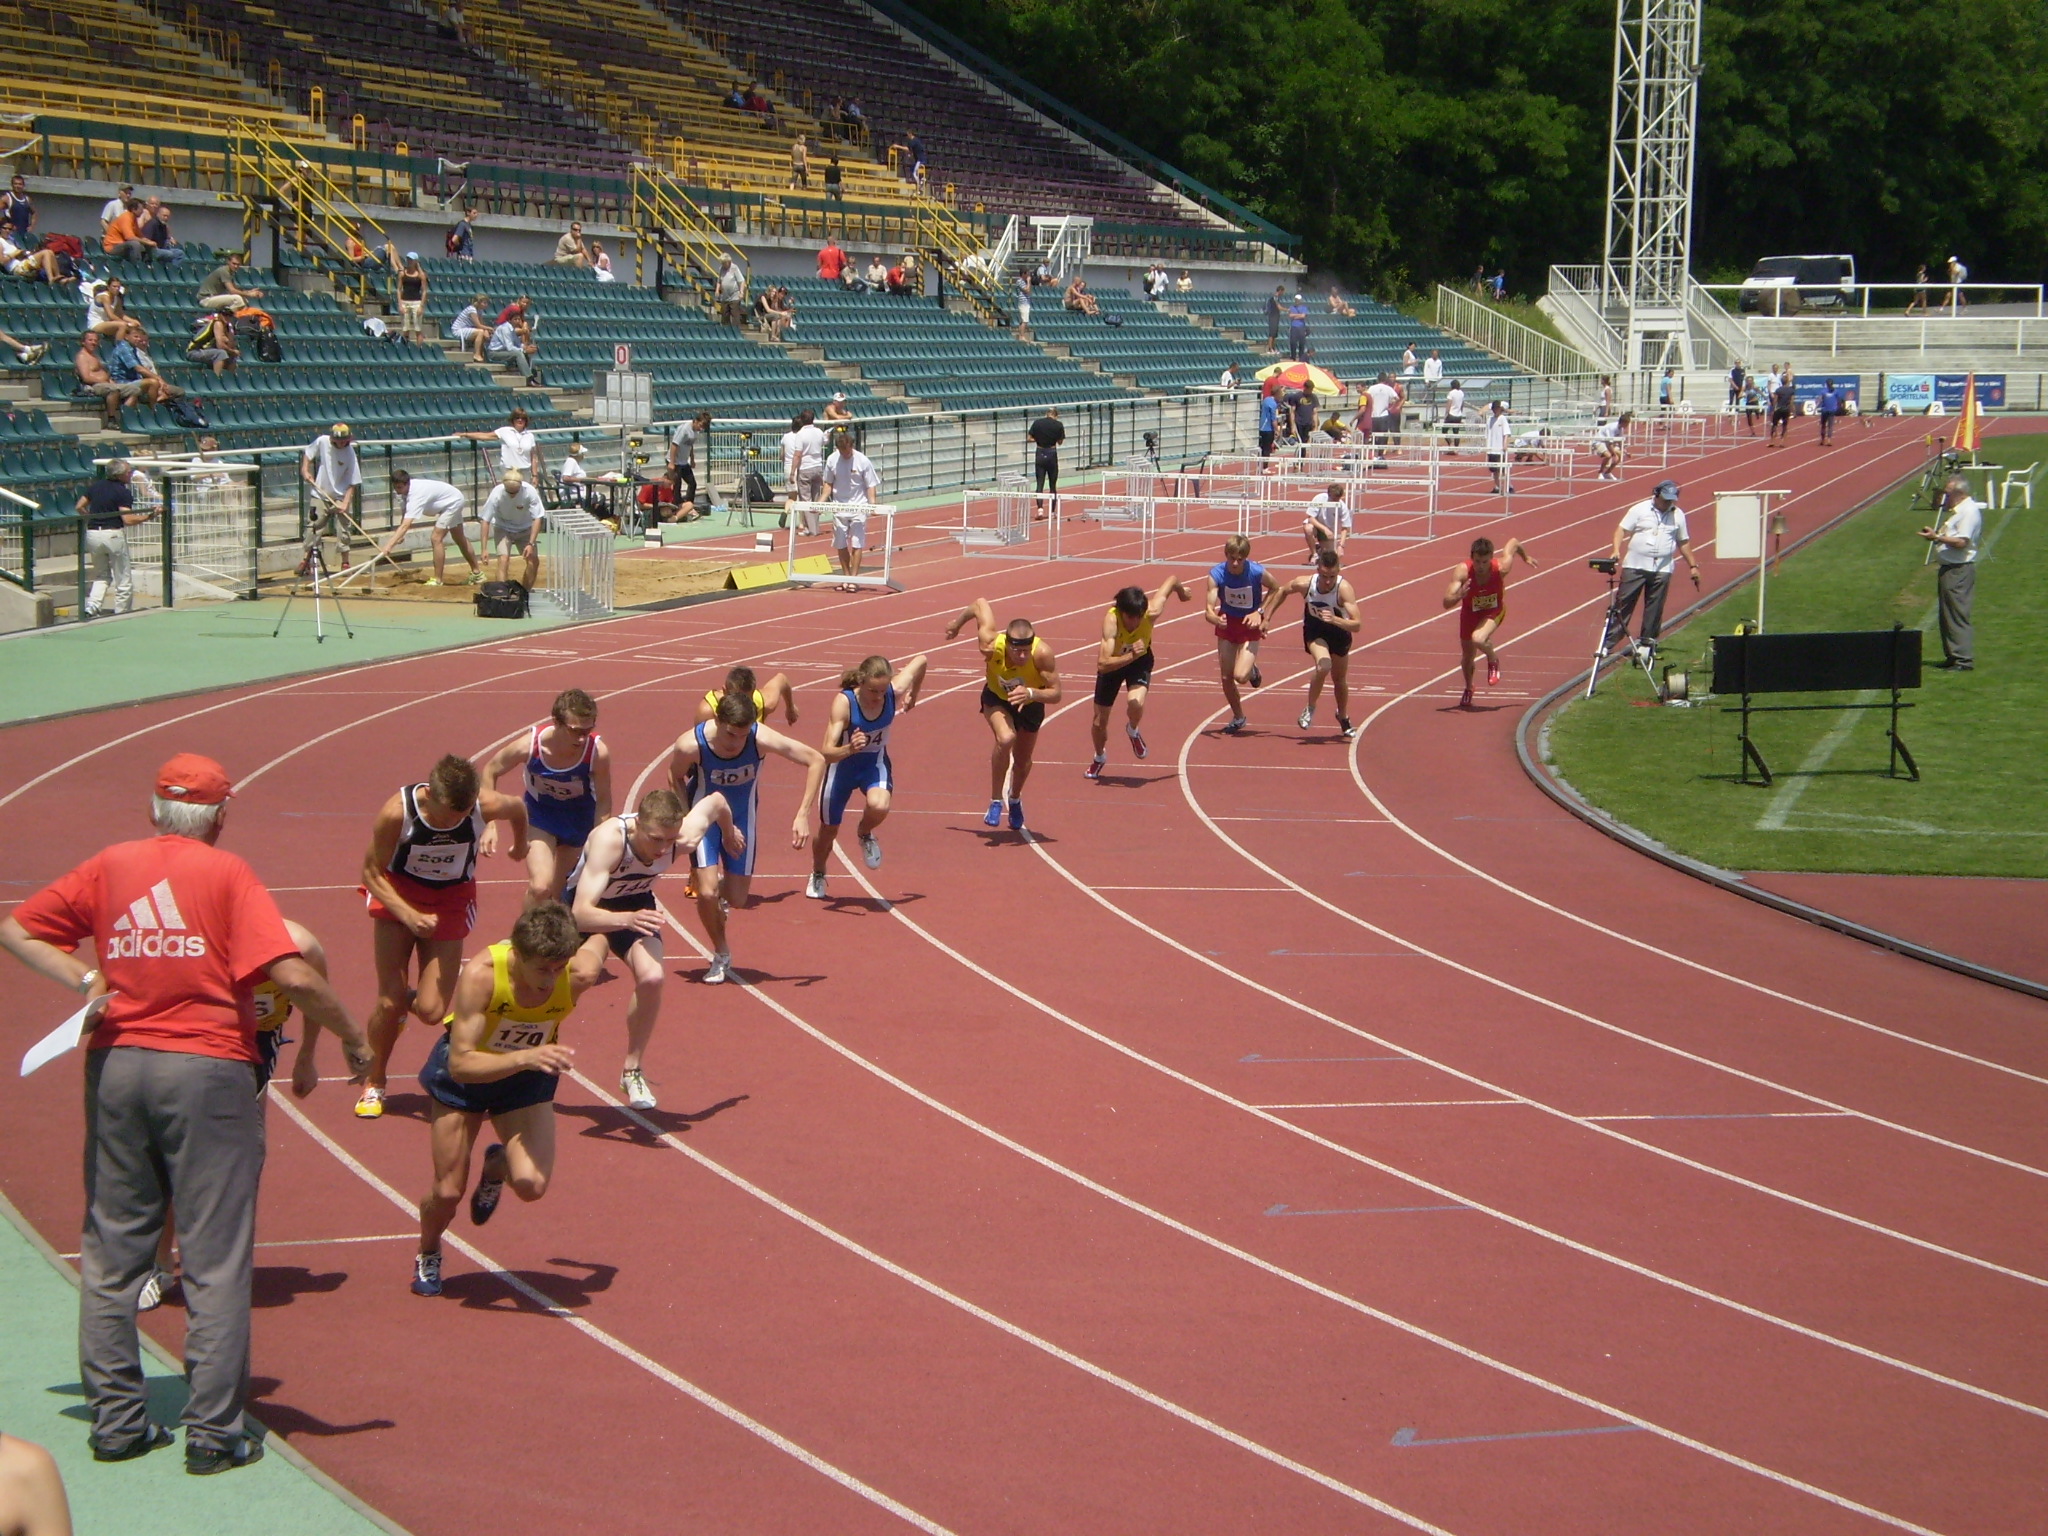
{"x": 689, "y": 236}
{"x": 958, "y": 249}
{"x": 1524, "y": 346}
{"x": 1576, "y": 291}
{"x": 308, "y": 206}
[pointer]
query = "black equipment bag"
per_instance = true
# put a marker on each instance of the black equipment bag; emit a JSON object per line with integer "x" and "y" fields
{"x": 501, "y": 600}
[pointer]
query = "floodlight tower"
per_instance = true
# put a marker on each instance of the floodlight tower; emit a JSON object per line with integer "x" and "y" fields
{"x": 1649, "y": 177}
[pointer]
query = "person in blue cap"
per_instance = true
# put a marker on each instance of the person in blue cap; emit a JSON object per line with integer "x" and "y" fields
{"x": 1649, "y": 541}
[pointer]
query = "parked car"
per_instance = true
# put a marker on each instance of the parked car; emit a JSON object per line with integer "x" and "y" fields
{"x": 1783, "y": 285}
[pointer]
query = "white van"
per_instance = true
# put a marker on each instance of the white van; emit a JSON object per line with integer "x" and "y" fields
{"x": 1785, "y": 284}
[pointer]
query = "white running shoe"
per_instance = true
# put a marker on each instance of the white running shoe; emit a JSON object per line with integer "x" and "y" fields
{"x": 633, "y": 1084}
{"x": 815, "y": 887}
{"x": 720, "y": 970}
{"x": 1308, "y": 717}
{"x": 871, "y": 850}
{"x": 426, "y": 1274}
{"x": 154, "y": 1289}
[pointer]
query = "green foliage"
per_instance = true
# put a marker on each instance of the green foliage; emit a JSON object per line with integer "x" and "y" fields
{"x": 1408, "y": 141}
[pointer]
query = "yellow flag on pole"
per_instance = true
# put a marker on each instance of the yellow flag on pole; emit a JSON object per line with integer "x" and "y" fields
{"x": 1968, "y": 427}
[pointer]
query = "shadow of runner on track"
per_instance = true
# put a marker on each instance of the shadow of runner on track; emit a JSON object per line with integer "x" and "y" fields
{"x": 279, "y": 1285}
{"x": 283, "y": 1419}
{"x": 483, "y": 1291}
{"x": 610, "y": 1124}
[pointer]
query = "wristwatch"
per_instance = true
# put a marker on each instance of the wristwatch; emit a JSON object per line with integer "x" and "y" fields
{"x": 85, "y": 982}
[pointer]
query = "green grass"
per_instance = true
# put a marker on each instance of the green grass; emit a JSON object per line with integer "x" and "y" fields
{"x": 1981, "y": 737}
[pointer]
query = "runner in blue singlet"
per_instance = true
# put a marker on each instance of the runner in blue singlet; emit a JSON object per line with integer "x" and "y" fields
{"x": 857, "y": 748}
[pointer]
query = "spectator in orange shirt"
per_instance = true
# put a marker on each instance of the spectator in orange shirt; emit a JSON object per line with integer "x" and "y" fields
{"x": 123, "y": 239}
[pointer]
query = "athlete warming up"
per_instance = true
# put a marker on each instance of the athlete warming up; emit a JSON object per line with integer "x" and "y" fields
{"x": 1479, "y": 591}
{"x": 723, "y": 757}
{"x": 611, "y": 896}
{"x": 1237, "y": 597}
{"x": 768, "y": 697}
{"x": 1022, "y": 678}
{"x": 499, "y": 1060}
{"x": 568, "y": 784}
{"x": 857, "y": 756}
{"x": 419, "y": 880}
{"x": 1329, "y": 619}
{"x": 1125, "y": 661}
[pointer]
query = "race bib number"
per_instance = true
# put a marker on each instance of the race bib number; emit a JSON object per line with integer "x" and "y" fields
{"x": 557, "y": 789}
{"x": 730, "y": 778}
{"x": 271, "y": 1008}
{"x": 1483, "y": 602}
{"x": 436, "y": 861}
{"x": 510, "y": 1035}
{"x": 1238, "y": 597}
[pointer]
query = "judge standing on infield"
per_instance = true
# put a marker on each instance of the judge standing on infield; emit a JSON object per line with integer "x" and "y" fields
{"x": 1649, "y": 541}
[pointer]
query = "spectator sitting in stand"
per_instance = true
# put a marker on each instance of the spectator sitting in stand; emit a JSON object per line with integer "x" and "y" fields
{"x": 570, "y": 251}
{"x": 913, "y": 272}
{"x": 106, "y": 306}
{"x": 852, "y": 112}
{"x": 896, "y": 281}
{"x": 735, "y": 97}
{"x": 512, "y": 342}
{"x": 28, "y": 354}
{"x": 778, "y": 312}
{"x": 30, "y": 266}
{"x": 123, "y": 240}
{"x": 877, "y": 276}
{"x": 222, "y": 287}
{"x": 131, "y": 363}
{"x": 93, "y": 379}
{"x": 213, "y": 343}
{"x": 1338, "y": 306}
{"x": 520, "y": 309}
{"x": 111, "y": 208}
{"x": 601, "y": 263}
{"x": 1185, "y": 283}
{"x": 836, "y": 409}
{"x": 471, "y": 329}
{"x": 1041, "y": 276}
{"x": 1079, "y": 299}
{"x": 832, "y": 263}
{"x": 156, "y": 229}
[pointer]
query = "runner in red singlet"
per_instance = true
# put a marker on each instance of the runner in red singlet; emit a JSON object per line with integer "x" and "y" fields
{"x": 1479, "y": 591}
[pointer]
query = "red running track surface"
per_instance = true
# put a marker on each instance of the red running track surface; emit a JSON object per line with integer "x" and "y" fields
{"x": 1287, "y": 1135}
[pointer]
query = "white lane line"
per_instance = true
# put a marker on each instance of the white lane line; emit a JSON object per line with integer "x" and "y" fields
{"x": 1762, "y": 1114}
{"x": 1004, "y": 1325}
{"x": 1396, "y": 1104}
{"x": 1350, "y": 1303}
{"x": 1201, "y": 890}
{"x": 1642, "y": 945}
{"x": 317, "y": 1242}
{"x": 617, "y": 1346}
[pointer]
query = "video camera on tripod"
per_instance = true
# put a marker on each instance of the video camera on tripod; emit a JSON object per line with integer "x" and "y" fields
{"x": 1606, "y": 565}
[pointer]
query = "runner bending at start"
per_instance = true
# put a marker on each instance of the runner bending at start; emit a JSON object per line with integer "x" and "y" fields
{"x": 1022, "y": 678}
{"x": 1237, "y": 598}
{"x": 568, "y": 789}
{"x": 499, "y": 1059}
{"x": 1479, "y": 591}
{"x": 1125, "y": 661}
{"x": 768, "y": 697}
{"x": 419, "y": 880}
{"x": 1329, "y": 619}
{"x": 724, "y": 758}
{"x": 611, "y": 896}
{"x": 857, "y": 756}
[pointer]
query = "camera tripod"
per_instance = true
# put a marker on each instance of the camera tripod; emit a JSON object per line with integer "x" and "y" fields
{"x": 1644, "y": 653}
{"x": 313, "y": 573}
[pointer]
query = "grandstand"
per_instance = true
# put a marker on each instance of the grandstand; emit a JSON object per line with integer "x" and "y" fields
{"x": 697, "y": 365}
{"x": 1155, "y": 349}
{"x": 938, "y": 355}
{"x": 1354, "y": 347}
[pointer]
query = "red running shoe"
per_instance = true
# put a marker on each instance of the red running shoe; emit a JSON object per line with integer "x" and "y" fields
{"x": 1492, "y": 673}
{"x": 1138, "y": 748}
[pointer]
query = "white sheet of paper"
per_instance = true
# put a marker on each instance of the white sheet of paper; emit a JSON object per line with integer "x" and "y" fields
{"x": 63, "y": 1038}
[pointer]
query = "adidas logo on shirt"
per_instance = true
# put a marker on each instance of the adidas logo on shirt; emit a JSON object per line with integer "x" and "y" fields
{"x": 154, "y": 928}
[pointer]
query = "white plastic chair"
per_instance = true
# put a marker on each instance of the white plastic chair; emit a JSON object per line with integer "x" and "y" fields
{"x": 2021, "y": 480}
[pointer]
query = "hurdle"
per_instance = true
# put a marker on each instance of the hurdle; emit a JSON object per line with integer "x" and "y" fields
{"x": 828, "y": 512}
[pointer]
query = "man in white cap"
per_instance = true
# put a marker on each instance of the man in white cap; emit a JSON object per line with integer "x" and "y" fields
{"x": 513, "y": 515}
{"x": 419, "y": 497}
{"x": 836, "y": 409}
{"x": 182, "y": 932}
{"x": 330, "y": 467}
{"x": 1649, "y": 540}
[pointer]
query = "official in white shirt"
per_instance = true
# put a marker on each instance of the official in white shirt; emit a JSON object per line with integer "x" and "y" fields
{"x": 1649, "y": 541}
{"x": 518, "y": 447}
{"x": 1498, "y": 425}
{"x": 420, "y": 498}
{"x": 854, "y": 487}
{"x": 513, "y": 515}
{"x": 804, "y": 451}
{"x": 338, "y": 475}
{"x": 1955, "y": 541}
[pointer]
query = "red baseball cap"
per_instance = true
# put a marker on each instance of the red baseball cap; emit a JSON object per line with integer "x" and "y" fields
{"x": 193, "y": 779}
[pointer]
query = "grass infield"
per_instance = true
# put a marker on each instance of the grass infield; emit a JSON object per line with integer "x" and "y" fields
{"x": 1981, "y": 738}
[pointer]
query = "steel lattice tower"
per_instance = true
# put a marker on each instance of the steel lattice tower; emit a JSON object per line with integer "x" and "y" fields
{"x": 1649, "y": 176}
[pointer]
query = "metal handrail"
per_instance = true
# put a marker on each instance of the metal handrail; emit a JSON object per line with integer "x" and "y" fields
{"x": 1523, "y": 345}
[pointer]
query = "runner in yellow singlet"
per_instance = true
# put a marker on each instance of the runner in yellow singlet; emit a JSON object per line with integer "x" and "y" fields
{"x": 500, "y": 1060}
{"x": 1022, "y": 678}
{"x": 768, "y": 697}
{"x": 1125, "y": 661}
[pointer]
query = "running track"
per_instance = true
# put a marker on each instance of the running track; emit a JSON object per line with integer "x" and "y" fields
{"x": 1286, "y": 1136}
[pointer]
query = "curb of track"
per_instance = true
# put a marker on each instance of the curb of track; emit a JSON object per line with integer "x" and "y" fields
{"x": 1535, "y": 761}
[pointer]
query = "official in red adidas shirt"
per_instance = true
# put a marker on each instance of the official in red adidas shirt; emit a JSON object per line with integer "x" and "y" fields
{"x": 174, "y": 1086}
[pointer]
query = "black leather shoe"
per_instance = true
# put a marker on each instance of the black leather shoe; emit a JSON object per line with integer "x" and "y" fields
{"x": 154, "y": 1438}
{"x": 208, "y": 1460}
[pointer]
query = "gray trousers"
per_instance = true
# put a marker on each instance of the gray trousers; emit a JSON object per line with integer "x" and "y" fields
{"x": 1649, "y": 587}
{"x": 163, "y": 1127}
{"x": 1957, "y": 585}
{"x": 106, "y": 554}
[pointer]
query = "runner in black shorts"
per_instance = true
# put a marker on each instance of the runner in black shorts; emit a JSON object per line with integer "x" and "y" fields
{"x": 1125, "y": 661}
{"x": 1022, "y": 678}
{"x": 1328, "y": 621}
{"x": 1047, "y": 433}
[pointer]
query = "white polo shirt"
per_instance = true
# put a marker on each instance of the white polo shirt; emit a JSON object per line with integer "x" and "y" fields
{"x": 1654, "y": 537}
{"x": 513, "y": 512}
{"x": 1966, "y": 521}
{"x": 1497, "y": 432}
{"x": 515, "y": 448}
{"x": 853, "y": 481}
{"x": 1331, "y": 514}
{"x": 435, "y": 499}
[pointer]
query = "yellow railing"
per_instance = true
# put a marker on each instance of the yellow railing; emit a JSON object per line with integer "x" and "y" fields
{"x": 959, "y": 250}
{"x": 692, "y": 240}
{"x": 306, "y": 198}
